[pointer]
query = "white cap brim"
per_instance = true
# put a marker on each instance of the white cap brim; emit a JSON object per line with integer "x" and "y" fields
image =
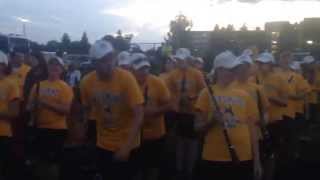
{"x": 100, "y": 49}
{"x": 3, "y": 58}
{"x": 229, "y": 65}
{"x": 141, "y": 65}
{"x": 245, "y": 59}
{"x": 264, "y": 60}
{"x": 124, "y": 62}
{"x": 59, "y": 60}
{"x": 308, "y": 60}
{"x": 180, "y": 57}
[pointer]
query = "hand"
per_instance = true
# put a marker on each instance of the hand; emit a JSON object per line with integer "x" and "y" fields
{"x": 42, "y": 102}
{"x": 257, "y": 170}
{"x": 175, "y": 104}
{"x": 150, "y": 110}
{"x": 220, "y": 118}
{"x": 122, "y": 154}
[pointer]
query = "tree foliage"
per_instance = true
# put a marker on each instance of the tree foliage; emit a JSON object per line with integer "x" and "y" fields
{"x": 178, "y": 35}
{"x": 120, "y": 41}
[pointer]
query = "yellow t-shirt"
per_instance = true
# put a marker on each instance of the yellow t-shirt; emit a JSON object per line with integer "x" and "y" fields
{"x": 312, "y": 97}
{"x": 252, "y": 89}
{"x": 291, "y": 79}
{"x": 194, "y": 83}
{"x": 157, "y": 95}
{"x": 20, "y": 76}
{"x": 164, "y": 76}
{"x": 9, "y": 91}
{"x": 86, "y": 81}
{"x": 275, "y": 86}
{"x": 56, "y": 92}
{"x": 239, "y": 106}
{"x": 113, "y": 100}
{"x": 300, "y": 85}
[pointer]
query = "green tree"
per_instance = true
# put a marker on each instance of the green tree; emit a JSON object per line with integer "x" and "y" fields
{"x": 179, "y": 35}
{"x": 84, "y": 43}
{"x": 230, "y": 27}
{"x": 65, "y": 42}
{"x": 120, "y": 41}
{"x": 216, "y": 27}
{"x": 53, "y": 46}
{"x": 244, "y": 28}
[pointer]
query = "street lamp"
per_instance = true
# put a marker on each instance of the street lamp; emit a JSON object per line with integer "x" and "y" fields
{"x": 24, "y": 22}
{"x": 310, "y": 42}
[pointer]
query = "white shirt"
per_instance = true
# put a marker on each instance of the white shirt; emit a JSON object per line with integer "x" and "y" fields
{"x": 73, "y": 78}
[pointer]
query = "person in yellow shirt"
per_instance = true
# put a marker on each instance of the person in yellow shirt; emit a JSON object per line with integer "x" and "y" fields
{"x": 156, "y": 103}
{"x": 91, "y": 112}
{"x": 19, "y": 69}
{"x": 124, "y": 60}
{"x": 115, "y": 95}
{"x": 309, "y": 73}
{"x": 185, "y": 84}
{"x": 50, "y": 101}
{"x": 278, "y": 90}
{"x": 168, "y": 66}
{"x": 198, "y": 63}
{"x": 227, "y": 115}
{"x": 18, "y": 74}
{"x": 9, "y": 109}
{"x": 293, "y": 117}
{"x": 243, "y": 74}
{"x": 302, "y": 89}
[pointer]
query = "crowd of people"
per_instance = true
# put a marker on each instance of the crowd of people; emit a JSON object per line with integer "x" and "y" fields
{"x": 243, "y": 120}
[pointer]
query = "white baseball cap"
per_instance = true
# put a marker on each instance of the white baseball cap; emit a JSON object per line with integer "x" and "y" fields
{"x": 247, "y": 52}
{"x": 265, "y": 58}
{"x": 3, "y": 58}
{"x": 243, "y": 59}
{"x": 199, "y": 59}
{"x": 226, "y": 60}
{"x": 58, "y": 59}
{"x": 124, "y": 58}
{"x": 295, "y": 65}
{"x": 308, "y": 60}
{"x": 182, "y": 54}
{"x": 136, "y": 57}
{"x": 139, "y": 60}
{"x": 100, "y": 49}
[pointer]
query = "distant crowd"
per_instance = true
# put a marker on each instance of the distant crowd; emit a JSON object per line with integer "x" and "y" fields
{"x": 243, "y": 120}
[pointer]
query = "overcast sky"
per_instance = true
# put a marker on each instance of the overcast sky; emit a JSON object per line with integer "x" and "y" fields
{"x": 147, "y": 19}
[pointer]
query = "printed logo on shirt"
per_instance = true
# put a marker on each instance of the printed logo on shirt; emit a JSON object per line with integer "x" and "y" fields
{"x": 231, "y": 120}
{"x": 229, "y": 100}
{"x": 106, "y": 99}
{"x": 49, "y": 92}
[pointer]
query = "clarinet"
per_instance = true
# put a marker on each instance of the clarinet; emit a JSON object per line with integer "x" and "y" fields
{"x": 267, "y": 142}
{"x": 231, "y": 148}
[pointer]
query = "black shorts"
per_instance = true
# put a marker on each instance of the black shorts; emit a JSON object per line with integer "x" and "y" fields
{"x": 151, "y": 153}
{"x": 116, "y": 170}
{"x": 208, "y": 170}
{"x": 78, "y": 163}
{"x": 49, "y": 143}
{"x": 5, "y": 150}
{"x": 280, "y": 129}
{"x": 314, "y": 112}
{"x": 185, "y": 125}
{"x": 92, "y": 131}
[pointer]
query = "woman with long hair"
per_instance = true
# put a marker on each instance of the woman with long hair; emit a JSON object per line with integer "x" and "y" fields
{"x": 9, "y": 109}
